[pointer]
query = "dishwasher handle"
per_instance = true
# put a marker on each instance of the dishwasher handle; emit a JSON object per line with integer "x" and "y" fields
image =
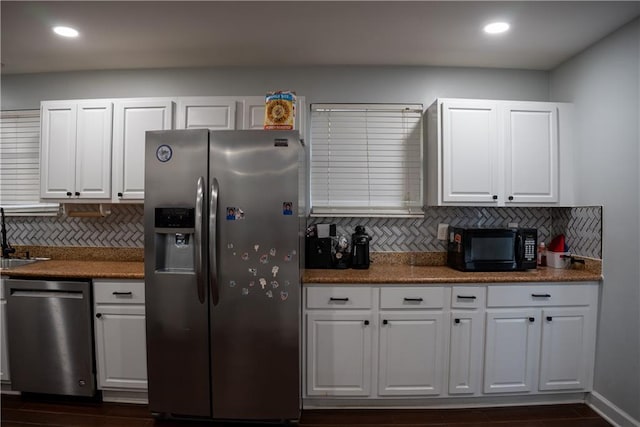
{"x": 50, "y": 293}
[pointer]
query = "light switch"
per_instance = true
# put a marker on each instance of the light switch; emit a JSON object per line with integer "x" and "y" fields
{"x": 442, "y": 231}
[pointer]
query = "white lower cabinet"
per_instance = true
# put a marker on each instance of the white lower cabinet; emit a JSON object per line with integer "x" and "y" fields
{"x": 511, "y": 353}
{"x": 466, "y": 348}
{"x": 120, "y": 335}
{"x": 542, "y": 340}
{"x": 411, "y": 353}
{"x": 392, "y": 341}
{"x": 339, "y": 354}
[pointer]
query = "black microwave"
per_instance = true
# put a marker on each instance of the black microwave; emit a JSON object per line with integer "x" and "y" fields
{"x": 492, "y": 249}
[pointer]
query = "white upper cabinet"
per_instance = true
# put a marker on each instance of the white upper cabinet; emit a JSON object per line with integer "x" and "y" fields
{"x": 469, "y": 151}
{"x": 253, "y": 112}
{"x": 132, "y": 119}
{"x": 210, "y": 112}
{"x": 531, "y": 152}
{"x": 496, "y": 153}
{"x": 76, "y": 149}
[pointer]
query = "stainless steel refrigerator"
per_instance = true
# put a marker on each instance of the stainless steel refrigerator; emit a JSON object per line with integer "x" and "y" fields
{"x": 222, "y": 273}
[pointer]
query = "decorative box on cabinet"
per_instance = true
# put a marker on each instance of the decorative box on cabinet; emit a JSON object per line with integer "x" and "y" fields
{"x": 120, "y": 335}
{"x": 132, "y": 119}
{"x": 540, "y": 338}
{"x": 75, "y": 160}
{"x": 497, "y": 153}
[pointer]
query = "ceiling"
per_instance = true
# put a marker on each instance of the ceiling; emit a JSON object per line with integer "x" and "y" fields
{"x": 167, "y": 34}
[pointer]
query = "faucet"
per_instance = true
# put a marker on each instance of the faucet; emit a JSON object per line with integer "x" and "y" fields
{"x": 7, "y": 250}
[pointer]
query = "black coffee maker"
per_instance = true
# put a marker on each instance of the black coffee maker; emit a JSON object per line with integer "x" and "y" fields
{"x": 360, "y": 248}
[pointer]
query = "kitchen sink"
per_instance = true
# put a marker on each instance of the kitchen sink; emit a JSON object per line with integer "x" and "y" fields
{"x": 15, "y": 262}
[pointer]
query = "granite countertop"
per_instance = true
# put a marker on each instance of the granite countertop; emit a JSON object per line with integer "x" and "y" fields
{"x": 408, "y": 274}
{"x": 75, "y": 269}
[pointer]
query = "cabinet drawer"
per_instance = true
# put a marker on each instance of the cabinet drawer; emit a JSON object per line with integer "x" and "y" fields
{"x": 468, "y": 296}
{"x": 412, "y": 297}
{"x": 339, "y": 297}
{"x": 118, "y": 292}
{"x": 544, "y": 295}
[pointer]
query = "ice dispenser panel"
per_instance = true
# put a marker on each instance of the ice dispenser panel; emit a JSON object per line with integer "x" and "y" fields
{"x": 175, "y": 250}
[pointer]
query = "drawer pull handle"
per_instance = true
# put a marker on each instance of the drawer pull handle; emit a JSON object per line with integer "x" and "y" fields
{"x": 338, "y": 299}
{"x": 457, "y": 320}
{"x": 471, "y": 297}
{"x": 532, "y": 319}
{"x": 366, "y": 323}
{"x": 541, "y": 295}
{"x": 123, "y": 294}
{"x": 385, "y": 322}
{"x": 549, "y": 318}
{"x": 413, "y": 299}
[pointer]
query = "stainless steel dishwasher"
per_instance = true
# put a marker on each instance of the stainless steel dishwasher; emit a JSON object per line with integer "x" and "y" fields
{"x": 50, "y": 334}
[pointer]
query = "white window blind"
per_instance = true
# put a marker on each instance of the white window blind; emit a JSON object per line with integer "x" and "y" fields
{"x": 20, "y": 164}
{"x": 366, "y": 159}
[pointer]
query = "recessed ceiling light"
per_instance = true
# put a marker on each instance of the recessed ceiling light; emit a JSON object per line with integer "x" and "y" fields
{"x": 65, "y": 31}
{"x": 496, "y": 28}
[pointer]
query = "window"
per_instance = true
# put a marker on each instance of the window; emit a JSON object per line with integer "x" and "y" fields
{"x": 366, "y": 159}
{"x": 20, "y": 164}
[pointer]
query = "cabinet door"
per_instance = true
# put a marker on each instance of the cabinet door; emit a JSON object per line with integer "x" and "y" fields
{"x": 531, "y": 152}
{"x": 58, "y": 150}
{"x": 121, "y": 349}
{"x": 131, "y": 121}
{"x": 466, "y": 351}
{"x": 470, "y": 151}
{"x": 253, "y": 112}
{"x": 566, "y": 345}
{"x": 511, "y": 353}
{"x": 4, "y": 351}
{"x": 339, "y": 354}
{"x": 411, "y": 353}
{"x": 93, "y": 150}
{"x": 212, "y": 112}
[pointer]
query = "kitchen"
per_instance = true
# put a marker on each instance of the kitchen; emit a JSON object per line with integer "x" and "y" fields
{"x": 593, "y": 81}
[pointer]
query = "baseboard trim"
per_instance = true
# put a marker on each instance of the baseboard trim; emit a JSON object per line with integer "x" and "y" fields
{"x": 609, "y": 411}
{"x": 121, "y": 396}
{"x": 442, "y": 402}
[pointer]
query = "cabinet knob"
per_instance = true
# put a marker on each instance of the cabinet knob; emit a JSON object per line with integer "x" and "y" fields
{"x": 366, "y": 323}
{"x": 532, "y": 319}
{"x": 69, "y": 194}
{"x": 119, "y": 194}
{"x": 385, "y": 322}
{"x": 457, "y": 320}
{"x": 495, "y": 197}
{"x": 510, "y": 197}
{"x": 77, "y": 193}
{"x": 98, "y": 315}
{"x": 549, "y": 318}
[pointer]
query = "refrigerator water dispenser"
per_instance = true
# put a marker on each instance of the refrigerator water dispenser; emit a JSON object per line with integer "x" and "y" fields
{"x": 174, "y": 229}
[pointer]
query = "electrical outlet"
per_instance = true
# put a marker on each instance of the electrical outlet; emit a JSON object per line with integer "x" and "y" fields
{"x": 513, "y": 225}
{"x": 442, "y": 231}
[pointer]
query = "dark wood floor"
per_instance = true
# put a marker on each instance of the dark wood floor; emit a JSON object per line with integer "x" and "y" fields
{"x": 29, "y": 412}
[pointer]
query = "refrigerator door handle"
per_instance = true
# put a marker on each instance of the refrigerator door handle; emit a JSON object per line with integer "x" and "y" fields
{"x": 213, "y": 228}
{"x": 200, "y": 279}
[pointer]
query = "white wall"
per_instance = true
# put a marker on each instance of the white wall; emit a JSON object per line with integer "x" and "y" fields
{"x": 603, "y": 83}
{"x": 317, "y": 84}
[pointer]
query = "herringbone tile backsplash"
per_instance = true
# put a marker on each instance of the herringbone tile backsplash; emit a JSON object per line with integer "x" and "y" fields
{"x": 124, "y": 228}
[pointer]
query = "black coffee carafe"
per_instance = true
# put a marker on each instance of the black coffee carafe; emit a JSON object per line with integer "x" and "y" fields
{"x": 360, "y": 248}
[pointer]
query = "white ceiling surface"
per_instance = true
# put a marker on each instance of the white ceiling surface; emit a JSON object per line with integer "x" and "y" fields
{"x": 166, "y": 34}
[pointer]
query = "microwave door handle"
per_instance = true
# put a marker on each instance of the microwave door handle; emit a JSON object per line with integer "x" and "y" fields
{"x": 213, "y": 240}
{"x": 518, "y": 251}
{"x": 198, "y": 240}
